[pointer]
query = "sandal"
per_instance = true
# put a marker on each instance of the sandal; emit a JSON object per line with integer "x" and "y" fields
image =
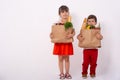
{"x": 68, "y": 76}
{"x": 62, "y": 76}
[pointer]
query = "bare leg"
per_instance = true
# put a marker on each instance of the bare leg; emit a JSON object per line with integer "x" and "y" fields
{"x": 67, "y": 67}
{"x": 67, "y": 63}
{"x": 60, "y": 62}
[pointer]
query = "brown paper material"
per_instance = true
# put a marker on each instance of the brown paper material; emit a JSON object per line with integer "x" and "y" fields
{"x": 90, "y": 40}
{"x": 59, "y": 34}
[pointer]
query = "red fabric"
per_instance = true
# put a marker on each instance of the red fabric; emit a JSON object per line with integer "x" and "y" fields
{"x": 63, "y": 49}
{"x": 89, "y": 57}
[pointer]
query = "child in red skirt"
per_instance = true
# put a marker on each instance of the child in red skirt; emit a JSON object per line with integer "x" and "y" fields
{"x": 90, "y": 54}
{"x": 63, "y": 50}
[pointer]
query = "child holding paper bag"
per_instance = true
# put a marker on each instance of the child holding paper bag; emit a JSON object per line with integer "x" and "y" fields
{"x": 89, "y": 39}
{"x": 61, "y": 48}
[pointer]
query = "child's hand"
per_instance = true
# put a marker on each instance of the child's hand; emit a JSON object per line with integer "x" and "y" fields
{"x": 51, "y": 35}
{"x": 99, "y": 36}
{"x": 80, "y": 38}
{"x": 69, "y": 36}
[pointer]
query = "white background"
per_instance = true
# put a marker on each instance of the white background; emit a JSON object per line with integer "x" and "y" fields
{"x": 25, "y": 47}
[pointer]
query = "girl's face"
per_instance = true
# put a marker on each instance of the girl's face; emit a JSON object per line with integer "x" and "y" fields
{"x": 91, "y": 22}
{"x": 64, "y": 15}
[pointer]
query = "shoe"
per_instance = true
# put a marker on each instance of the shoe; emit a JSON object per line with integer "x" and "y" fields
{"x": 62, "y": 76}
{"x": 68, "y": 76}
{"x": 84, "y": 76}
{"x": 92, "y": 75}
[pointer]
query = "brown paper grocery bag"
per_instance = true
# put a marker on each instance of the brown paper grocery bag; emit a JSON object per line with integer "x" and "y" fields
{"x": 90, "y": 40}
{"x": 60, "y": 33}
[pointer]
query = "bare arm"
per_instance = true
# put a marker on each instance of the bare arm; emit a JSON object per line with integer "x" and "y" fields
{"x": 80, "y": 36}
{"x": 99, "y": 36}
{"x": 72, "y": 34}
{"x": 51, "y": 35}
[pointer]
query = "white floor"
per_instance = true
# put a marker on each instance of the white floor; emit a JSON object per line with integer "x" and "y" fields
{"x": 78, "y": 77}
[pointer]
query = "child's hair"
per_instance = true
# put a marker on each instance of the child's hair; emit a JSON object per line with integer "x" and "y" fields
{"x": 92, "y": 17}
{"x": 63, "y": 8}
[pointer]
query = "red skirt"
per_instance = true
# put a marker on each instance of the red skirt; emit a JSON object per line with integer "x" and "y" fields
{"x": 63, "y": 49}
